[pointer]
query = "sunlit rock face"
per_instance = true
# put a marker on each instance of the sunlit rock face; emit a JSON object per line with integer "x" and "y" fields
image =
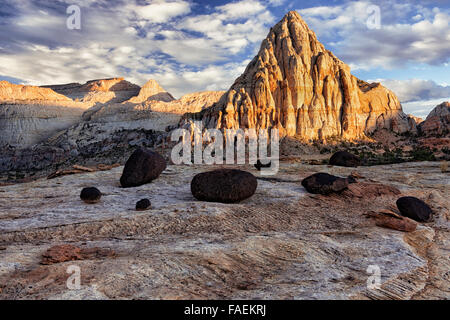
{"x": 98, "y": 91}
{"x": 437, "y": 122}
{"x": 296, "y": 85}
{"x": 152, "y": 91}
{"x": 29, "y": 114}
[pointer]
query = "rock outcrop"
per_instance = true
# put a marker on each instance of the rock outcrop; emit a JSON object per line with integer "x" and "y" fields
{"x": 437, "y": 122}
{"x": 296, "y": 85}
{"x": 152, "y": 91}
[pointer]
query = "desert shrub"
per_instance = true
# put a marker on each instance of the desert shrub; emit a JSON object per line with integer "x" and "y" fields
{"x": 422, "y": 154}
{"x": 446, "y": 150}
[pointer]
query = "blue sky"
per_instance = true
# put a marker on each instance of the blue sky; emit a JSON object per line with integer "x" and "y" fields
{"x": 191, "y": 45}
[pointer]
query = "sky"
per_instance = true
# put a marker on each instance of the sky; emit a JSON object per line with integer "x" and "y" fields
{"x": 193, "y": 45}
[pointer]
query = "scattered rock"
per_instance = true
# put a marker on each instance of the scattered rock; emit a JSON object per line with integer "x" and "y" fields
{"x": 345, "y": 159}
{"x": 61, "y": 253}
{"x": 356, "y": 175}
{"x": 224, "y": 185}
{"x": 96, "y": 253}
{"x": 143, "y": 205}
{"x": 90, "y": 195}
{"x": 142, "y": 167}
{"x": 67, "y": 252}
{"x": 324, "y": 183}
{"x": 391, "y": 220}
{"x": 414, "y": 208}
{"x": 369, "y": 190}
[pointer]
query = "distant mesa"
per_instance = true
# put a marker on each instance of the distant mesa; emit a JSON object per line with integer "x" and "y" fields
{"x": 10, "y": 92}
{"x": 98, "y": 91}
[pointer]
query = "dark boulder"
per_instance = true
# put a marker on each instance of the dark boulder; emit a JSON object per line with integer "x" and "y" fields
{"x": 324, "y": 183}
{"x": 344, "y": 159}
{"x": 143, "y": 205}
{"x": 142, "y": 167}
{"x": 224, "y": 185}
{"x": 90, "y": 195}
{"x": 414, "y": 208}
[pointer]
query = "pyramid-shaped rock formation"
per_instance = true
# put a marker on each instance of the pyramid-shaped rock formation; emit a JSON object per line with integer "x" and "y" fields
{"x": 296, "y": 85}
{"x": 152, "y": 91}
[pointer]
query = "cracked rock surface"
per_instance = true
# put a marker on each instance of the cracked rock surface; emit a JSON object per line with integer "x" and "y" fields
{"x": 282, "y": 243}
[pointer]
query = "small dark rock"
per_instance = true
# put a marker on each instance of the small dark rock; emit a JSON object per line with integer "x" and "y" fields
{"x": 143, "y": 205}
{"x": 345, "y": 159}
{"x": 90, "y": 195}
{"x": 414, "y": 208}
{"x": 224, "y": 185}
{"x": 142, "y": 167}
{"x": 324, "y": 183}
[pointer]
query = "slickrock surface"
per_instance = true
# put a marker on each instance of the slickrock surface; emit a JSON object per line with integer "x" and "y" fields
{"x": 282, "y": 243}
{"x": 296, "y": 85}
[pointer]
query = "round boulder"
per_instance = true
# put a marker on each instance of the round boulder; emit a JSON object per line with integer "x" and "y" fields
{"x": 414, "y": 208}
{"x": 324, "y": 183}
{"x": 90, "y": 195}
{"x": 224, "y": 185}
{"x": 142, "y": 167}
{"x": 344, "y": 159}
{"x": 143, "y": 205}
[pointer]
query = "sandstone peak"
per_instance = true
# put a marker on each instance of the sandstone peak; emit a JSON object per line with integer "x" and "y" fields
{"x": 112, "y": 84}
{"x": 296, "y": 85}
{"x": 441, "y": 110}
{"x": 152, "y": 91}
{"x": 437, "y": 122}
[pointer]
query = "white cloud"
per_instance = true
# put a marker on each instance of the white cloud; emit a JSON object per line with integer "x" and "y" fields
{"x": 134, "y": 40}
{"x": 160, "y": 11}
{"x": 243, "y": 8}
{"x": 416, "y": 89}
{"x": 398, "y": 41}
{"x": 422, "y": 108}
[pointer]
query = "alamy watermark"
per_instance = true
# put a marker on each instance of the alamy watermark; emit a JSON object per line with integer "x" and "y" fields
{"x": 374, "y": 281}
{"x": 374, "y": 17}
{"x": 73, "y": 22}
{"x": 74, "y": 280}
{"x": 238, "y": 144}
